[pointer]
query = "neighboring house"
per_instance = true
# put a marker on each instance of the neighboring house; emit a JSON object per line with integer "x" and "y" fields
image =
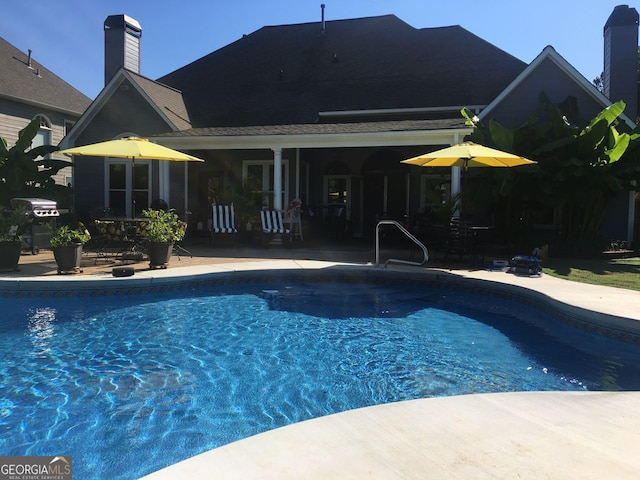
{"x": 29, "y": 90}
{"x": 320, "y": 111}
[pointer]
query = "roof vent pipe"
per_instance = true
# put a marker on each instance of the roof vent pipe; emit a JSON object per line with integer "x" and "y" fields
{"x": 29, "y": 59}
{"x": 323, "y": 29}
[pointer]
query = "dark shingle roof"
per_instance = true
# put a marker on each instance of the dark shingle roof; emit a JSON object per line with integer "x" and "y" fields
{"x": 287, "y": 74}
{"x": 36, "y": 84}
{"x": 167, "y": 99}
{"x": 323, "y": 128}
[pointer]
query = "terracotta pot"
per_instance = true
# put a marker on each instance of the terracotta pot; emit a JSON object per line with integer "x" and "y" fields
{"x": 10, "y": 255}
{"x": 159, "y": 254}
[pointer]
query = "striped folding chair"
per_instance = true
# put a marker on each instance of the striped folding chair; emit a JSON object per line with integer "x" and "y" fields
{"x": 224, "y": 220}
{"x": 272, "y": 223}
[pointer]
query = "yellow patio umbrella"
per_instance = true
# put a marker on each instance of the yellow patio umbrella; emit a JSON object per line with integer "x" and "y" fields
{"x": 468, "y": 155}
{"x": 134, "y": 148}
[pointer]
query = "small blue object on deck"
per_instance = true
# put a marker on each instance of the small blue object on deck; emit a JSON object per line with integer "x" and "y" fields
{"x": 525, "y": 264}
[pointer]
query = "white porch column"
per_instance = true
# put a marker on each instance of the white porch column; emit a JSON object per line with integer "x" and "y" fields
{"x": 164, "y": 182}
{"x": 277, "y": 178}
{"x": 455, "y": 176}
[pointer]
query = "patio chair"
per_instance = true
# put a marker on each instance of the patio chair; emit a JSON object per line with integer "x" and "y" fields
{"x": 272, "y": 224}
{"x": 223, "y": 220}
{"x": 460, "y": 240}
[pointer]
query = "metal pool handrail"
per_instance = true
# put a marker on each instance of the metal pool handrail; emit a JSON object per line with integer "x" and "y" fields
{"x": 409, "y": 235}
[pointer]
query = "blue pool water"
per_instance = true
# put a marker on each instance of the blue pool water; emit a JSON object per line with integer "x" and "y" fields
{"x": 130, "y": 384}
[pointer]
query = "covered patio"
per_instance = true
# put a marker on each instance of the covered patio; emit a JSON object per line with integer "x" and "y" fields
{"x": 327, "y": 166}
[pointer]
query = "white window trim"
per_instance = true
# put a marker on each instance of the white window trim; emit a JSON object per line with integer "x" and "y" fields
{"x": 129, "y": 180}
{"x": 285, "y": 167}
{"x": 325, "y": 193}
{"x": 45, "y": 126}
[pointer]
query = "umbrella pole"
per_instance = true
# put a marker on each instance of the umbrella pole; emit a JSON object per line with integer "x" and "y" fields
{"x": 464, "y": 185}
{"x": 133, "y": 187}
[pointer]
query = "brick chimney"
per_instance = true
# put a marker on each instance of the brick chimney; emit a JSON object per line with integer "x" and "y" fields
{"x": 620, "y": 79}
{"x": 122, "y": 36}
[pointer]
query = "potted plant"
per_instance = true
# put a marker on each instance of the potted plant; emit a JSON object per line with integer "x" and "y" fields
{"x": 162, "y": 229}
{"x": 12, "y": 224}
{"x": 66, "y": 243}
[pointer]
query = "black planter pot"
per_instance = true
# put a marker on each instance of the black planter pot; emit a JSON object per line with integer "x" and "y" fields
{"x": 159, "y": 254}
{"x": 68, "y": 257}
{"x": 10, "y": 255}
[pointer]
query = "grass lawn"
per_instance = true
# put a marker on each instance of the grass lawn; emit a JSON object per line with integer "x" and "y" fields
{"x": 612, "y": 272}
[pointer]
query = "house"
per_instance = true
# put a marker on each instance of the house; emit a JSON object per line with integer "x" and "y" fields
{"x": 321, "y": 111}
{"x": 29, "y": 90}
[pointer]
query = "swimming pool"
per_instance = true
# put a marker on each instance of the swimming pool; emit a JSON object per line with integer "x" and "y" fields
{"x": 132, "y": 383}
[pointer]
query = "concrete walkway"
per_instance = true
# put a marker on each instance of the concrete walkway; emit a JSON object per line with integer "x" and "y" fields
{"x": 494, "y": 436}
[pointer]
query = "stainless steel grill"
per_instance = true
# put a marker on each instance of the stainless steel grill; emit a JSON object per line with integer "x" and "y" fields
{"x": 44, "y": 213}
{"x": 37, "y": 207}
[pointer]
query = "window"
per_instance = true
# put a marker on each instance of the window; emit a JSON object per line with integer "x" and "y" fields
{"x": 43, "y": 137}
{"x": 337, "y": 197}
{"x": 257, "y": 176}
{"x": 68, "y": 125}
{"x": 435, "y": 191}
{"x": 337, "y": 189}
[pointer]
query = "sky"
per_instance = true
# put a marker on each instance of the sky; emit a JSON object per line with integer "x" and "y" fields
{"x": 66, "y": 36}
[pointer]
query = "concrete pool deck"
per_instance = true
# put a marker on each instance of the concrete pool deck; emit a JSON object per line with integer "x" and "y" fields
{"x": 494, "y": 436}
{"x": 507, "y": 435}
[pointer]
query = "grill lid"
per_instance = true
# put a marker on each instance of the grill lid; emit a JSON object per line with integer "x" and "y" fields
{"x": 38, "y": 207}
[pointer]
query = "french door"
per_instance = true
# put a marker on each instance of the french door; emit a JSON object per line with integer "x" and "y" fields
{"x": 128, "y": 187}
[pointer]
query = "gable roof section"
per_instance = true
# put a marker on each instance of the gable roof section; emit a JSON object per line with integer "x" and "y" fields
{"x": 288, "y": 74}
{"x": 549, "y": 53}
{"x": 25, "y": 80}
{"x": 166, "y": 101}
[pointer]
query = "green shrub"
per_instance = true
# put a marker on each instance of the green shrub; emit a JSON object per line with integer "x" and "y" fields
{"x": 162, "y": 226}
{"x": 65, "y": 235}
